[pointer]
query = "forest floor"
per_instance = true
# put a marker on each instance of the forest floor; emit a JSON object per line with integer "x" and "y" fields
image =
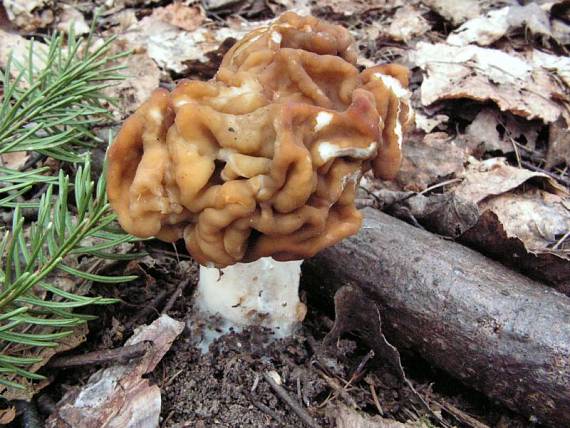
{"x": 491, "y": 96}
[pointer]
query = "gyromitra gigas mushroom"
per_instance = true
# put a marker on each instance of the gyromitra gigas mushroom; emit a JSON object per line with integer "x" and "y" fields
{"x": 261, "y": 163}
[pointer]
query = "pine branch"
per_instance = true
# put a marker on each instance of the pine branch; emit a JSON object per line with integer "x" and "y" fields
{"x": 55, "y": 98}
{"x": 50, "y": 104}
{"x": 30, "y": 255}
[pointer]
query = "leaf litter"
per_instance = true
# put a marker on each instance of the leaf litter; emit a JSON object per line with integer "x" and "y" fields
{"x": 479, "y": 97}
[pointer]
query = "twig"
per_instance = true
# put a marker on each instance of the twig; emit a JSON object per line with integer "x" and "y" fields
{"x": 438, "y": 185}
{"x": 460, "y": 415}
{"x": 360, "y": 367}
{"x": 177, "y": 293}
{"x": 518, "y": 156}
{"x": 117, "y": 355}
{"x": 168, "y": 417}
{"x": 255, "y": 383}
{"x": 267, "y": 411}
{"x": 561, "y": 241}
{"x": 376, "y": 401}
{"x": 339, "y": 390}
{"x": 529, "y": 165}
{"x": 282, "y": 393}
{"x": 149, "y": 309}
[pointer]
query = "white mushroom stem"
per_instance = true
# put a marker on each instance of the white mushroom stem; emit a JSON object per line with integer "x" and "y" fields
{"x": 264, "y": 292}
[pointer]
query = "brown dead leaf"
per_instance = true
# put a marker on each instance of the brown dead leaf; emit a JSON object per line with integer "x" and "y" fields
{"x": 446, "y": 214}
{"x": 559, "y": 65}
{"x": 481, "y": 74}
{"x": 455, "y": 11}
{"x": 443, "y": 213}
{"x": 30, "y": 15}
{"x": 366, "y": 323}
{"x": 429, "y": 123}
{"x": 220, "y": 4}
{"x": 345, "y": 417}
{"x": 558, "y": 144}
{"x": 524, "y": 216}
{"x": 119, "y": 396}
{"x": 178, "y": 14}
{"x": 14, "y": 160}
{"x": 535, "y": 216}
{"x": 446, "y": 157}
{"x": 490, "y": 237}
{"x": 31, "y": 388}
{"x": 561, "y": 31}
{"x": 496, "y": 131}
{"x": 7, "y": 415}
{"x": 487, "y": 29}
{"x": 407, "y": 23}
{"x": 142, "y": 77}
{"x": 176, "y": 50}
{"x": 494, "y": 177}
{"x": 353, "y": 7}
{"x": 70, "y": 17}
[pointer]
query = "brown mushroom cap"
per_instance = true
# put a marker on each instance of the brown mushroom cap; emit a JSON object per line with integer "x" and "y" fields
{"x": 265, "y": 159}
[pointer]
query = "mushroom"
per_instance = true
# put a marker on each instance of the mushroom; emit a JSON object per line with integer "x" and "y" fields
{"x": 258, "y": 168}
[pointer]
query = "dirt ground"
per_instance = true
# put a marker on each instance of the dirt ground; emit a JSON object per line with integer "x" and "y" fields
{"x": 456, "y": 135}
{"x": 225, "y": 387}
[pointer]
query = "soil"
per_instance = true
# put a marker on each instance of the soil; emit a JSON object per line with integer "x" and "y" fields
{"x": 225, "y": 387}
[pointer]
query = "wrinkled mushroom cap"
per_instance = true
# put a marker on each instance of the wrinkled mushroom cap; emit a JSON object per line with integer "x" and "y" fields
{"x": 264, "y": 159}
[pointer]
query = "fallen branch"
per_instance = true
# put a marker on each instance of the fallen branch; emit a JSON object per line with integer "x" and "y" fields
{"x": 496, "y": 330}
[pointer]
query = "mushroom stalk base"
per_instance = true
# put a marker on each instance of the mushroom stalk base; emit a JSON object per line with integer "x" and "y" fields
{"x": 263, "y": 293}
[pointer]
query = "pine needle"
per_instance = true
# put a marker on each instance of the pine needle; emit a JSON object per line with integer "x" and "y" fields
{"x": 51, "y": 109}
{"x": 51, "y": 103}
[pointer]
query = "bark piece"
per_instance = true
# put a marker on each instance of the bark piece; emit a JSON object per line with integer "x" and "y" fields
{"x": 119, "y": 396}
{"x": 496, "y": 330}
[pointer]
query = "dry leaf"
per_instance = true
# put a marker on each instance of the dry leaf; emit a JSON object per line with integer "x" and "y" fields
{"x": 429, "y": 123}
{"x": 345, "y": 417}
{"x": 219, "y": 4}
{"x": 174, "y": 49}
{"x": 119, "y": 396}
{"x": 70, "y": 17}
{"x": 365, "y": 323}
{"x": 446, "y": 157}
{"x": 494, "y": 177}
{"x": 31, "y": 388}
{"x": 354, "y": 7}
{"x": 455, "y": 11}
{"x": 7, "y": 415}
{"x": 496, "y": 131}
{"x": 483, "y": 74}
{"x": 561, "y": 31}
{"x": 407, "y": 23}
{"x": 142, "y": 78}
{"x": 19, "y": 46}
{"x": 521, "y": 223}
{"x": 185, "y": 17}
{"x": 29, "y": 15}
{"x": 536, "y": 217}
{"x": 487, "y": 29}
{"x": 14, "y": 160}
{"x": 559, "y": 65}
{"x": 558, "y": 144}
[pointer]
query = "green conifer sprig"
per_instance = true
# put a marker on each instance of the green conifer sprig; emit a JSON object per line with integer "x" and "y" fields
{"x": 52, "y": 100}
{"x": 50, "y": 104}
